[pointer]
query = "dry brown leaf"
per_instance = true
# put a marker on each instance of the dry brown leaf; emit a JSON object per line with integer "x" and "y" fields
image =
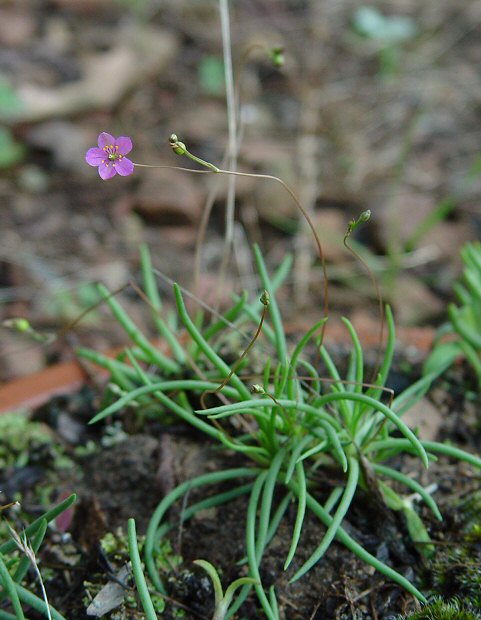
{"x": 108, "y": 77}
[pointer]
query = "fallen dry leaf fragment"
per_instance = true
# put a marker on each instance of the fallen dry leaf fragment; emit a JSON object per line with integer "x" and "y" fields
{"x": 108, "y": 77}
{"x": 110, "y": 596}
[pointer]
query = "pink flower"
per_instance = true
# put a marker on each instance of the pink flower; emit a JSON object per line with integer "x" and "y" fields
{"x": 109, "y": 156}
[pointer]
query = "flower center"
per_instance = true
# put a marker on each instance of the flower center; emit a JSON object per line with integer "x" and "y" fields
{"x": 112, "y": 153}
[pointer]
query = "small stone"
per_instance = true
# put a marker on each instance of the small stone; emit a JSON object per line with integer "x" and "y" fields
{"x": 426, "y": 418}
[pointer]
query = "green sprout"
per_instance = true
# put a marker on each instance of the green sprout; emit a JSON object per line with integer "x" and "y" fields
{"x": 293, "y": 422}
{"x": 461, "y": 335}
{"x": 222, "y": 600}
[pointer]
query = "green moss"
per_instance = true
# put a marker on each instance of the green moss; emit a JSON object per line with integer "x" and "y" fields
{"x": 456, "y": 573}
{"x": 455, "y": 569}
{"x": 115, "y": 545}
{"x": 470, "y": 508}
{"x": 25, "y": 441}
{"x": 20, "y": 439}
{"x": 165, "y": 558}
{"x": 441, "y": 610}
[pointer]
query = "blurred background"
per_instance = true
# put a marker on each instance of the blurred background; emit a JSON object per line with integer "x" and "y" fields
{"x": 376, "y": 106}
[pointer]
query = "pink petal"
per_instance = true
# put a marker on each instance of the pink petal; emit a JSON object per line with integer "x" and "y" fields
{"x": 107, "y": 172}
{"x": 124, "y": 167}
{"x": 105, "y": 139}
{"x": 94, "y": 156}
{"x": 125, "y": 144}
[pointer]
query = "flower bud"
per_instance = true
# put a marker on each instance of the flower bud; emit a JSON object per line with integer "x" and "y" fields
{"x": 277, "y": 56}
{"x": 178, "y": 147}
{"x": 265, "y": 298}
{"x": 19, "y": 324}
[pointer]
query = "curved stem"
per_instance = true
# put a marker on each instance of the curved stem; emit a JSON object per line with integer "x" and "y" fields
{"x": 251, "y": 546}
{"x": 265, "y": 302}
{"x": 375, "y": 283}
{"x": 230, "y": 474}
{"x": 308, "y": 220}
{"x": 351, "y": 486}
{"x": 214, "y": 169}
{"x": 301, "y": 511}
{"x": 355, "y": 547}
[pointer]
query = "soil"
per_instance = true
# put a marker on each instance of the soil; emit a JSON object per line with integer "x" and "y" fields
{"x": 124, "y": 474}
{"x": 351, "y": 124}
